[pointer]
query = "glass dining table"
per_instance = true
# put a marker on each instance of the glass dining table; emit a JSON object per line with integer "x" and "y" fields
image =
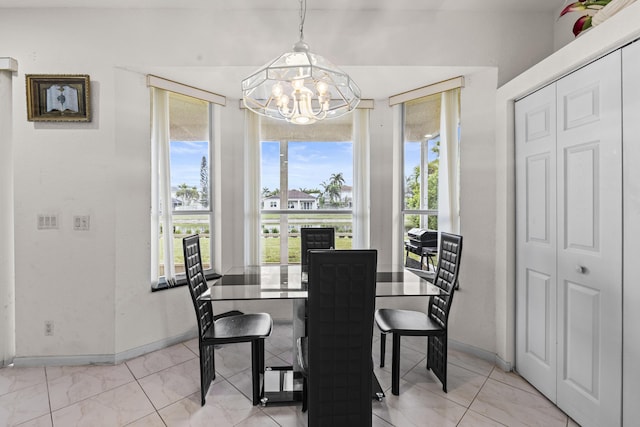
{"x": 289, "y": 282}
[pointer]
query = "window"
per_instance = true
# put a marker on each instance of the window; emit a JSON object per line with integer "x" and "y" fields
{"x": 315, "y": 164}
{"x": 431, "y": 134}
{"x": 182, "y": 157}
{"x": 421, "y": 160}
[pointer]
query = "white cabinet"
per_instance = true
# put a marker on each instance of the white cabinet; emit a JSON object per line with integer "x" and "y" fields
{"x": 569, "y": 242}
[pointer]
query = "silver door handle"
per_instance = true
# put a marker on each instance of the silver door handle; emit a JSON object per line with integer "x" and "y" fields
{"x": 581, "y": 269}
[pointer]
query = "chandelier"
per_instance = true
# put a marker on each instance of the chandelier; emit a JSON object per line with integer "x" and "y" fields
{"x": 299, "y": 86}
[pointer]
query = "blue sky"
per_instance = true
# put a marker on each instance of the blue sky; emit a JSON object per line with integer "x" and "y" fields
{"x": 310, "y": 163}
{"x": 412, "y": 154}
{"x": 186, "y": 157}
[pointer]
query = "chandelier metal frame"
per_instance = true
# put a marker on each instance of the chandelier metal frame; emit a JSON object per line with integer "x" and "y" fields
{"x": 299, "y": 86}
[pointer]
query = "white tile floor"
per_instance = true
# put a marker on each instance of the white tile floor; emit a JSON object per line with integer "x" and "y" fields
{"x": 163, "y": 389}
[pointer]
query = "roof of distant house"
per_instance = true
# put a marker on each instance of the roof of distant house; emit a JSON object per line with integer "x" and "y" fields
{"x": 294, "y": 195}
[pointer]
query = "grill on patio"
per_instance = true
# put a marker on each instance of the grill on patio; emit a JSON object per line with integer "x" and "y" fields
{"x": 423, "y": 243}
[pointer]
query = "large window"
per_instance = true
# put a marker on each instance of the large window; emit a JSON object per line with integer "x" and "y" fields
{"x": 431, "y": 134}
{"x": 182, "y": 129}
{"x": 421, "y": 160}
{"x": 309, "y": 172}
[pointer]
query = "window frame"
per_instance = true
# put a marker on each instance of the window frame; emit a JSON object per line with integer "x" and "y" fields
{"x": 213, "y": 102}
{"x": 284, "y": 200}
{"x": 397, "y": 103}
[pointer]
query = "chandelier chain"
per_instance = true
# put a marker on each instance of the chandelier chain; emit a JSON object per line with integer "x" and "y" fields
{"x": 303, "y": 15}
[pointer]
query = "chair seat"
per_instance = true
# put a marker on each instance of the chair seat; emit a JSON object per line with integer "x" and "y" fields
{"x": 240, "y": 328}
{"x": 406, "y": 322}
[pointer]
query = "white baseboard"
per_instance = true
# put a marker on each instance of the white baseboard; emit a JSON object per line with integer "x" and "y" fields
{"x": 102, "y": 359}
{"x": 113, "y": 359}
{"x": 481, "y": 354}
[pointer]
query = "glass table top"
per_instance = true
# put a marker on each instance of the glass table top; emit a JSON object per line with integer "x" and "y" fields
{"x": 290, "y": 282}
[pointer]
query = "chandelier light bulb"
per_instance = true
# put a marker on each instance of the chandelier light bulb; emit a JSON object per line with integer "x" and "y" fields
{"x": 284, "y": 102}
{"x": 298, "y": 84}
{"x": 322, "y": 87}
{"x": 277, "y": 90}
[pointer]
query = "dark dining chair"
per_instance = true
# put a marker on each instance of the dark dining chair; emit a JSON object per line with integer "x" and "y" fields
{"x": 212, "y": 330}
{"x": 315, "y": 238}
{"x": 432, "y": 324}
{"x": 336, "y": 353}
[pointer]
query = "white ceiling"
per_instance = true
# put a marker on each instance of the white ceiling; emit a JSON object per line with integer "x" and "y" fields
{"x": 469, "y": 5}
{"x": 226, "y": 80}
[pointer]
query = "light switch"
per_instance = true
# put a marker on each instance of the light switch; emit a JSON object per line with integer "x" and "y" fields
{"x": 81, "y": 222}
{"x": 47, "y": 221}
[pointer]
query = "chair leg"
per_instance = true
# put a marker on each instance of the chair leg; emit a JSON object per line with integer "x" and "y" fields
{"x": 383, "y": 345}
{"x": 395, "y": 365}
{"x": 207, "y": 370}
{"x": 437, "y": 358}
{"x": 305, "y": 384}
{"x": 255, "y": 369}
{"x": 261, "y": 357}
{"x": 444, "y": 362}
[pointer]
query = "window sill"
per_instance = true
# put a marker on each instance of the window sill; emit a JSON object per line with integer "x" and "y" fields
{"x": 164, "y": 285}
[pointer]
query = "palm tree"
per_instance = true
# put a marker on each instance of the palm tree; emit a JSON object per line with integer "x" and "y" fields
{"x": 187, "y": 194}
{"x": 336, "y": 181}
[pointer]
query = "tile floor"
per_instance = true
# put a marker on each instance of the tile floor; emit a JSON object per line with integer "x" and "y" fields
{"x": 163, "y": 389}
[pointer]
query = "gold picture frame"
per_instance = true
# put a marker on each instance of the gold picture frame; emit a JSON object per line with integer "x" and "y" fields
{"x": 58, "y": 98}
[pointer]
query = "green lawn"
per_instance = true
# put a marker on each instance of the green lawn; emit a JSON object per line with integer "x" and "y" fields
{"x": 271, "y": 248}
{"x": 178, "y": 254}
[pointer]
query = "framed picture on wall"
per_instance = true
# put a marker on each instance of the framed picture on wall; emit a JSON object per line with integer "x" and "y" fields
{"x": 58, "y": 98}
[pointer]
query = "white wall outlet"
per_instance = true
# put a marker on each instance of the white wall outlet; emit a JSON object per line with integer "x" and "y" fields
{"x": 81, "y": 222}
{"x": 48, "y": 222}
{"x": 48, "y": 328}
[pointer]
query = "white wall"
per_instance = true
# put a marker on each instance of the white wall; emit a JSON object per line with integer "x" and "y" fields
{"x": 472, "y": 317}
{"x": 95, "y": 285}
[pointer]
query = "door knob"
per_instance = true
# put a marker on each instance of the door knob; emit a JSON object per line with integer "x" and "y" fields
{"x": 581, "y": 269}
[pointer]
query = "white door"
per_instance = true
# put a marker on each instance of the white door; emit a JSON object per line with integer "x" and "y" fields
{"x": 536, "y": 239}
{"x": 569, "y": 242}
{"x": 589, "y": 243}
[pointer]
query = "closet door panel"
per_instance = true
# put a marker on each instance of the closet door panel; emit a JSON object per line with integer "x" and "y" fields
{"x": 536, "y": 239}
{"x": 589, "y": 269}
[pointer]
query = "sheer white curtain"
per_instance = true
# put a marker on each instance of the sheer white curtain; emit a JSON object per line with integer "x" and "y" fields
{"x": 397, "y": 202}
{"x": 361, "y": 179}
{"x": 252, "y": 188}
{"x": 448, "y": 173}
{"x": 161, "y": 187}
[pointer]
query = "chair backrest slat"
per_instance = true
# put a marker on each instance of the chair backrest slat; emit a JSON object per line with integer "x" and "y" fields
{"x": 197, "y": 282}
{"x": 315, "y": 238}
{"x": 340, "y": 317}
{"x": 446, "y": 277}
